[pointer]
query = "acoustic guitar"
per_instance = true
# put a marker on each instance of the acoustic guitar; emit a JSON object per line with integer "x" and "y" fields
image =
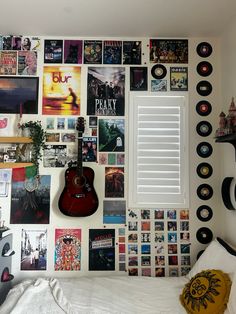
{"x": 79, "y": 198}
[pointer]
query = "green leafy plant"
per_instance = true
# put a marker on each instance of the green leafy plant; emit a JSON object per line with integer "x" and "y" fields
{"x": 38, "y": 136}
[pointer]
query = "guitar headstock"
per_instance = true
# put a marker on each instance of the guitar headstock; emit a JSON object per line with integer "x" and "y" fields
{"x": 80, "y": 125}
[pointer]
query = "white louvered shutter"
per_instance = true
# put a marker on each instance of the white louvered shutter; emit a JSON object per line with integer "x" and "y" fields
{"x": 158, "y": 151}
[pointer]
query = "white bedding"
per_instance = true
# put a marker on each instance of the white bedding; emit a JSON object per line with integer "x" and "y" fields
{"x": 96, "y": 295}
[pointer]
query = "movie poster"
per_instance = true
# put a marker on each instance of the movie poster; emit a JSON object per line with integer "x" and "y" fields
{"x": 30, "y": 200}
{"x": 53, "y": 50}
{"x": 61, "y": 90}
{"x": 67, "y": 249}
{"x": 111, "y": 135}
{"x": 102, "y": 249}
{"x": 27, "y": 63}
{"x": 33, "y": 249}
{"x": 106, "y": 91}
{"x": 132, "y": 52}
{"x": 112, "y": 51}
{"x": 178, "y": 78}
{"x": 73, "y": 51}
{"x": 114, "y": 212}
{"x": 8, "y": 62}
{"x": 168, "y": 50}
{"x": 114, "y": 181}
{"x": 92, "y": 52}
{"x": 89, "y": 149}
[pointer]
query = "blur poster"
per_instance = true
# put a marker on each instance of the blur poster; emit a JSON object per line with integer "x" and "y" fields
{"x": 106, "y": 91}
{"x": 61, "y": 90}
{"x": 102, "y": 249}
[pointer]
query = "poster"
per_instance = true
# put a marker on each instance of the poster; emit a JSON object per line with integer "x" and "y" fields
{"x": 8, "y": 62}
{"x": 138, "y": 78}
{"x": 102, "y": 249}
{"x": 27, "y": 63}
{"x": 178, "y": 78}
{"x": 106, "y": 91}
{"x": 132, "y": 52}
{"x": 92, "y": 52}
{"x": 53, "y": 49}
{"x": 114, "y": 212}
{"x": 55, "y": 156}
{"x": 61, "y": 90}
{"x": 112, "y": 51}
{"x": 73, "y": 51}
{"x": 33, "y": 249}
{"x": 30, "y": 207}
{"x": 114, "y": 181}
{"x": 67, "y": 249}
{"x": 89, "y": 149}
{"x": 111, "y": 135}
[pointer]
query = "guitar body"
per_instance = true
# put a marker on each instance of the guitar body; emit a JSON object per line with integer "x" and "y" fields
{"x": 78, "y": 198}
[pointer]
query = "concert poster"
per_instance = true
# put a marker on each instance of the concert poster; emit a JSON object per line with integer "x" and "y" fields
{"x": 168, "y": 50}
{"x": 102, "y": 249}
{"x": 53, "y": 49}
{"x": 106, "y": 91}
{"x": 92, "y": 52}
{"x": 112, "y": 51}
{"x": 8, "y": 62}
{"x": 61, "y": 90}
{"x": 114, "y": 181}
{"x": 178, "y": 78}
{"x": 114, "y": 212}
{"x": 30, "y": 200}
{"x": 89, "y": 149}
{"x": 67, "y": 249}
{"x": 33, "y": 249}
{"x": 111, "y": 135}
{"x": 73, "y": 51}
{"x": 27, "y": 63}
{"x": 132, "y": 52}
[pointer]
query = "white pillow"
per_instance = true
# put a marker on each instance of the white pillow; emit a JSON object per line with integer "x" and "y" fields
{"x": 231, "y": 305}
{"x": 215, "y": 256}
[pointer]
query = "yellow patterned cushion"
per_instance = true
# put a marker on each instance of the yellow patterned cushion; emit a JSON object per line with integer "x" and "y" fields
{"x": 207, "y": 292}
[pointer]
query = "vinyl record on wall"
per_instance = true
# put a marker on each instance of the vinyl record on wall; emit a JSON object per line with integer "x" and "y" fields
{"x": 204, "y": 235}
{"x": 203, "y": 108}
{"x": 204, "y": 128}
{"x": 158, "y": 71}
{"x": 204, "y": 149}
{"x": 204, "y": 192}
{"x": 204, "y": 170}
{"x": 204, "y": 49}
{"x": 204, "y": 68}
{"x": 204, "y": 213}
{"x": 204, "y": 88}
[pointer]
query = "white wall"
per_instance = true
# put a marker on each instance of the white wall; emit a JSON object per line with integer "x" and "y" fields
{"x": 228, "y": 70}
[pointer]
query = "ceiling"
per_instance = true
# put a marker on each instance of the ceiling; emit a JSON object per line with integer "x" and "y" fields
{"x": 120, "y": 18}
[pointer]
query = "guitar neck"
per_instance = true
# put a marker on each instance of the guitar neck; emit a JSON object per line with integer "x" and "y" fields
{"x": 79, "y": 155}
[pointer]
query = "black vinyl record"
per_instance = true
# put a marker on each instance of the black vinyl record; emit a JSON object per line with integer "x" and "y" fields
{"x": 204, "y": 68}
{"x": 204, "y": 192}
{"x": 204, "y": 88}
{"x": 204, "y": 235}
{"x": 204, "y": 149}
{"x": 204, "y": 170}
{"x": 204, "y": 213}
{"x": 204, "y": 128}
{"x": 158, "y": 71}
{"x": 203, "y": 108}
{"x": 204, "y": 49}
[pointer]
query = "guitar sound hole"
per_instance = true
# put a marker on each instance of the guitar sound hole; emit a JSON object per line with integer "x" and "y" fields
{"x": 79, "y": 181}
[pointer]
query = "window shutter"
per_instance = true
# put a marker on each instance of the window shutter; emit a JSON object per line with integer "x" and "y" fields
{"x": 158, "y": 152}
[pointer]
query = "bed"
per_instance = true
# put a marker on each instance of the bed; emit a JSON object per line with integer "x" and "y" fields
{"x": 120, "y": 294}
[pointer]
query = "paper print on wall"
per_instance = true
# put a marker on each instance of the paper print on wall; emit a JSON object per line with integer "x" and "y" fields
{"x": 114, "y": 212}
{"x": 73, "y": 51}
{"x": 67, "y": 249}
{"x": 30, "y": 207}
{"x": 111, "y": 135}
{"x": 168, "y": 50}
{"x": 27, "y": 63}
{"x": 178, "y": 78}
{"x": 53, "y": 50}
{"x": 7, "y": 42}
{"x": 112, "y": 50}
{"x": 159, "y": 85}
{"x": 106, "y": 91}
{"x": 8, "y": 62}
{"x": 55, "y": 156}
{"x": 138, "y": 78}
{"x": 132, "y": 52}
{"x": 102, "y": 249}
{"x": 61, "y": 90}
{"x": 16, "y": 42}
{"x": 92, "y": 52}
{"x": 89, "y": 149}
{"x": 33, "y": 249}
{"x": 19, "y": 90}
{"x": 114, "y": 181}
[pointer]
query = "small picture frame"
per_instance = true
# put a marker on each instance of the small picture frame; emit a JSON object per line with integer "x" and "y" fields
{"x": 138, "y": 79}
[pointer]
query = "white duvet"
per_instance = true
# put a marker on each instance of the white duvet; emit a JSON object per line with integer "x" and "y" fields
{"x": 96, "y": 295}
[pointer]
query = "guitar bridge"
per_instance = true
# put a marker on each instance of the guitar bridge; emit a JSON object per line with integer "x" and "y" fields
{"x": 79, "y": 195}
